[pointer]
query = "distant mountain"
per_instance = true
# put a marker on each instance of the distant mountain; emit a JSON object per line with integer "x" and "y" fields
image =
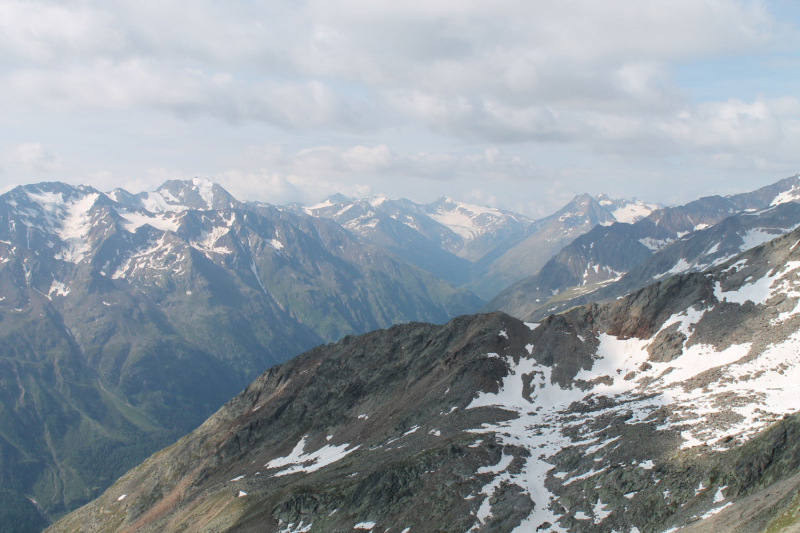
{"x": 376, "y": 226}
{"x": 693, "y": 252}
{"x": 671, "y": 408}
{"x": 125, "y": 320}
{"x": 480, "y": 228}
{"x": 465, "y": 230}
{"x": 529, "y": 254}
{"x": 679, "y": 238}
{"x": 178, "y": 195}
{"x": 482, "y": 248}
{"x": 628, "y": 211}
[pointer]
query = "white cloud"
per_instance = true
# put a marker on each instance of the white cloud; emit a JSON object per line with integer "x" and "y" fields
{"x": 43, "y": 32}
{"x": 506, "y": 70}
{"x": 32, "y": 158}
{"x": 725, "y": 124}
{"x": 368, "y": 162}
{"x": 188, "y": 93}
{"x": 362, "y": 92}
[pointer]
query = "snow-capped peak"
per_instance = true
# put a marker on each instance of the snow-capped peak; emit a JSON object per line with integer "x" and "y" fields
{"x": 204, "y": 188}
{"x": 197, "y": 193}
{"x": 625, "y": 210}
{"x": 377, "y": 200}
{"x": 469, "y": 221}
{"x": 323, "y": 204}
{"x": 60, "y": 210}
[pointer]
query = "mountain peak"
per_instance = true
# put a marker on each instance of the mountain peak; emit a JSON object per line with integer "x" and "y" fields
{"x": 197, "y": 193}
{"x": 469, "y": 221}
{"x": 338, "y": 198}
{"x": 621, "y": 210}
{"x": 581, "y": 202}
{"x": 375, "y": 201}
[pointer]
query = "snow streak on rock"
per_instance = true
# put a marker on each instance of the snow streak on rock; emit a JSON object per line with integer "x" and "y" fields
{"x": 300, "y": 461}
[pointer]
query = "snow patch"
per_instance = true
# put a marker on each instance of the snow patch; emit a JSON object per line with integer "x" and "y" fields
{"x": 770, "y": 387}
{"x": 134, "y": 220}
{"x": 712, "y": 512}
{"x": 792, "y": 195}
{"x": 204, "y": 188}
{"x": 633, "y": 212}
{"x": 299, "y": 461}
{"x": 300, "y": 528}
{"x": 410, "y": 431}
{"x": 59, "y": 288}
{"x": 70, "y": 220}
{"x": 680, "y": 267}
{"x": 655, "y": 244}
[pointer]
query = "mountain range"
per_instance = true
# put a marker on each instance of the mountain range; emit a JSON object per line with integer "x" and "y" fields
{"x": 483, "y": 249}
{"x": 127, "y": 319}
{"x": 611, "y": 261}
{"x": 671, "y": 408}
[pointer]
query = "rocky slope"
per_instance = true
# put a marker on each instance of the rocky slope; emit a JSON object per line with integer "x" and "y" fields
{"x": 124, "y": 324}
{"x": 679, "y": 238}
{"x": 670, "y": 408}
{"x": 694, "y": 252}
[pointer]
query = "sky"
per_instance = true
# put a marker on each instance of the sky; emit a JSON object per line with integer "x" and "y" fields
{"x": 513, "y": 104}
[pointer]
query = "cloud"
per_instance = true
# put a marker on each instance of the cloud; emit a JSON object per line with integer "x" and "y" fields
{"x": 360, "y": 163}
{"x": 362, "y": 96}
{"x": 44, "y": 32}
{"x": 725, "y": 124}
{"x": 503, "y": 71}
{"x": 32, "y": 158}
{"x": 137, "y": 84}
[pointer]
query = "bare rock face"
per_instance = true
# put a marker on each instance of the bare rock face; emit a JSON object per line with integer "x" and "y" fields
{"x": 673, "y": 407}
{"x": 667, "y": 345}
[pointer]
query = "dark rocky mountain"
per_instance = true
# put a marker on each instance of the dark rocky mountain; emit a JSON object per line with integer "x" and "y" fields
{"x": 122, "y": 328}
{"x": 673, "y": 407}
{"x": 612, "y": 261}
{"x": 691, "y": 253}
